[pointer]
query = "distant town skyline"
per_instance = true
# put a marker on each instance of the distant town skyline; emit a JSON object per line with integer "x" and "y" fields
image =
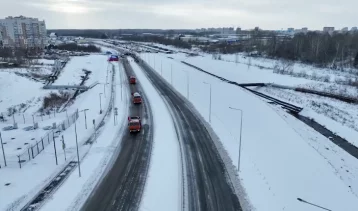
{"x": 185, "y": 14}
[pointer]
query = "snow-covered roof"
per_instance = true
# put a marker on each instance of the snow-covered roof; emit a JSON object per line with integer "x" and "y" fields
{"x": 134, "y": 120}
{"x": 136, "y": 94}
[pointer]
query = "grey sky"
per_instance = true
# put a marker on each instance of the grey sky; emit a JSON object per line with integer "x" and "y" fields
{"x": 268, "y": 14}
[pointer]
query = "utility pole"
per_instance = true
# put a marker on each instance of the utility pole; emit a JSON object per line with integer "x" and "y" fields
{"x": 54, "y": 146}
{"x": 241, "y": 117}
{"x": 94, "y": 128}
{"x": 78, "y": 155}
{"x": 84, "y": 111}
{"x": 100, "y": 103}
{"x": 187, "y": 83}
{"x": 171, "y": 74}
{"x": 209, "y": 102}
{"x": 64, "y": 147}
{"x": 3, "y": 151}
{"x": 68, "y": 120}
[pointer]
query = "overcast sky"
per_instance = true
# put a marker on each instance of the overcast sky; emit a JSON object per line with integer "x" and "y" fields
{"x": 267, "y": 14}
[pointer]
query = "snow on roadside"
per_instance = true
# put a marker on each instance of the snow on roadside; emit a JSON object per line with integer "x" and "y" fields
{"x": 73, "y": 193}
{"x": 345, "y": 166}
{"x": 164, "y": 177}
{"x": 39, "y": 171}
{"x": 274, "y": 171}
{"x": 335, "y": 115}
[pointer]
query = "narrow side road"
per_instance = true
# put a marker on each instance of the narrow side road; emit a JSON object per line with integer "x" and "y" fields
{"x": 122, "y": 187}
{"x": 208, "y": 186}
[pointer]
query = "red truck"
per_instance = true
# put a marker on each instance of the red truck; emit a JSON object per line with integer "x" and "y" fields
{"x": 132, "y": 80}
{"x": 137, "y": 99}
{"x": 134, "y": 124}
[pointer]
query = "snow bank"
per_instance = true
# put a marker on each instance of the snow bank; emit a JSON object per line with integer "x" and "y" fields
{"x": 165, "y": 166}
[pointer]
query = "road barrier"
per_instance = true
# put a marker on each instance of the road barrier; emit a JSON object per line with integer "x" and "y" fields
{"x": 35, "y": 149}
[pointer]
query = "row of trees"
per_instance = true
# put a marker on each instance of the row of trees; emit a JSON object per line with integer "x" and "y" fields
{"x": 76, "y": 47}
{"x": 322, "y": 49}
{"x": 157, "y": 39}
{"x": 19, "y": 55}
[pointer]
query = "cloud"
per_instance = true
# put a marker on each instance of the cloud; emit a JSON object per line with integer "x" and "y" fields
{"x": 64, "y": 6}
{"x": 268, "y": 14}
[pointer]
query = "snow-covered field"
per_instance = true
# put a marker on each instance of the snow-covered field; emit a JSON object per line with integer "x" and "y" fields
{"x": 278, "y": 165}
{"x": 335, "y": 115}
{"x": 39, "y": 171}
{"x": 71, "y": 74}
{"x": 16, "y": 90}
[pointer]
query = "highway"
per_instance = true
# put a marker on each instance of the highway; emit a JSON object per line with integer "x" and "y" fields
{"x": 122, "y": 186}
{"x": 207, "y": 185}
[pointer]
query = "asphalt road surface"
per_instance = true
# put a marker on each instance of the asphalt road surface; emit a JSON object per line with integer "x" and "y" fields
{"x": 122, "y": 187}
{"x": 208, "y": 187}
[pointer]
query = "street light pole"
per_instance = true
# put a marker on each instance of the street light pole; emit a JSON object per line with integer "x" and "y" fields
{"x": 241, "y": 117}
{"x": 171, "y": 74}
{"x": 78, "y": 156}
{"x": 210, "y": 102}
{"x": 187, "y": 85}
{"x": 84, "y": 111}
{"x": 3, "y": 151}
{"x": 100, "y": 103}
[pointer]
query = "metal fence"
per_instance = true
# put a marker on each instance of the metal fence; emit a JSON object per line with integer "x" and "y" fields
{"x": 35, "y": 149}
{"x": 22, "y": 118}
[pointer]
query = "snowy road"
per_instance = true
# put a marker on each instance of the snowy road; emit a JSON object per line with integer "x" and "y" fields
{"x": 208, "y": 187}
{"x": 122, "y": 187}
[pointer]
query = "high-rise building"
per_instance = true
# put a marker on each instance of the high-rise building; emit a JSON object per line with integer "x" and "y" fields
{"x": 23, "y": 32}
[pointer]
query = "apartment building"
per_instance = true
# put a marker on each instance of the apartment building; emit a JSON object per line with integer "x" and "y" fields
{"x": 23, "y": 32}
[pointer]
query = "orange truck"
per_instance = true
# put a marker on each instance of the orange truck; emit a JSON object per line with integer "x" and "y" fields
{"x": 137, "y": 99}
{"x": 134, "y": 124}
{"x": 132, "y": 80}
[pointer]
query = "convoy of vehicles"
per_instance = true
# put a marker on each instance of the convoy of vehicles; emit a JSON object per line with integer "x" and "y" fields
{"x": 134, "y": 122}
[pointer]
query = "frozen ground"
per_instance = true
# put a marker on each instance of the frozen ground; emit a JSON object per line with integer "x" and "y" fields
{"x": 40, "y": 170}
{"x": 240, "y": 73}
{"x": 72, "y": 194}
{"x": 335, "y": 115}
{"x": 71, "y": 74}
{"x": 164, "y": 177}
{"x": 15, "y": 90}
{"x": 273, "y": 170}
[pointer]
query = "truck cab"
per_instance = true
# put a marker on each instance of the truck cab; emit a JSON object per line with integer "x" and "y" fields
{"x": 137, "y": 99}
{"x": 132, "y": 80}
{"x": 134, "y": 124}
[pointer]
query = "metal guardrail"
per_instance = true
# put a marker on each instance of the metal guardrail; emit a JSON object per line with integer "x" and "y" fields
{"x": 35, "y": 149}
{"x": 285, "y": 105}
